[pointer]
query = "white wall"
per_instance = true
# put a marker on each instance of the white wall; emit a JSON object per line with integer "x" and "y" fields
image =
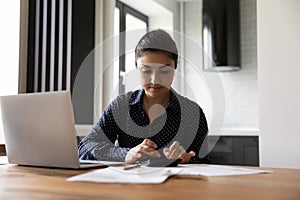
{"x": 162, "y": 14}
{"x": 240, "y": 87}
{"x": 173, "y": 7}
{"x": 279, "y": 85}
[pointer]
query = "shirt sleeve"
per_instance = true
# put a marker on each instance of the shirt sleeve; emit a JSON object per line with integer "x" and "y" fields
{"x": 99, "y": 144}
{"x": 199, "y": 144}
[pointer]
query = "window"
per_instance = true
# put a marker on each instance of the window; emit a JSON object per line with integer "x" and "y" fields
{"x": 127, "y": 20}
{"x": 9, "y": 50}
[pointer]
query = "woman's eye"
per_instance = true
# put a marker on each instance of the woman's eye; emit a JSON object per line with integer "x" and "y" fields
{"x": 165, "y": 71}
{"x": 147, "y": 71}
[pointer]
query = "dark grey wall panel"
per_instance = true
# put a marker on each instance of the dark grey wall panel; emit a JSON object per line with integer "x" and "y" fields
{"x": 83, "y": 43}
{"x": 60, "y": 35}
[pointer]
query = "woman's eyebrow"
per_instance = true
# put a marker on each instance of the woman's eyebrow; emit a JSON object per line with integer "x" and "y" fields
{"x": 165, "y": 65}
{"x": 161, "y": 66}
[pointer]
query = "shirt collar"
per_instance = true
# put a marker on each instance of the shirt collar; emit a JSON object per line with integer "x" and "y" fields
{"x": 136, "y": 97}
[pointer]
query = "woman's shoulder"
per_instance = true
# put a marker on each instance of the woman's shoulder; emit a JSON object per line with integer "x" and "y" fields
{"x": 127, "y": 98}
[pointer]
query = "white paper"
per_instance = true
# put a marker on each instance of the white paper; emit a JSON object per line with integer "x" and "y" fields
{"x": 3, "y": 160}
{"x": 142, "y": 175}
{"x": 217, "y": 170}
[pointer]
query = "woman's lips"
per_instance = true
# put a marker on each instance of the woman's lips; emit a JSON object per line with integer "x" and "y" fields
{"x": 155, "y": 87}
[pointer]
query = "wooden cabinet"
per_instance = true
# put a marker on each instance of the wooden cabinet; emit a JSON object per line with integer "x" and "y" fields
{"x": 2, "y": 150}
{"x": 234, "y": 150}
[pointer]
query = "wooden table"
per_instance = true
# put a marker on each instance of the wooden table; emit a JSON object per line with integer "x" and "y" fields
{"x": 19, "y": 182}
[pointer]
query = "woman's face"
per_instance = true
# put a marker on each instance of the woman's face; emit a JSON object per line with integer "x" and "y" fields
{"x": 156, "y": 71}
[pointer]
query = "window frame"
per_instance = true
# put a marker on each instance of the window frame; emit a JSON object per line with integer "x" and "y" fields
{"x": 125, "y": 9}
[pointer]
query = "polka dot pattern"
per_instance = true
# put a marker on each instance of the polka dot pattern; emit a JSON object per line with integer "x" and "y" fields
{"x": 125, "y": 124}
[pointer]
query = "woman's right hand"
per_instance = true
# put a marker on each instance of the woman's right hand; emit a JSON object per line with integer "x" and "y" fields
{"x": 146, "y": 149}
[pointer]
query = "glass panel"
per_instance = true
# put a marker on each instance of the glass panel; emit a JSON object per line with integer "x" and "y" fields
{"x": 116, "y": 21}
{"x": 9, "y": 50}
{"x": 116, "y": 51}
{"x": 135, "y": 29}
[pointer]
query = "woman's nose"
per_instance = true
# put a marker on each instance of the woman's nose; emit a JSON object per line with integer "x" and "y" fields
{"x": 155, "y": 78}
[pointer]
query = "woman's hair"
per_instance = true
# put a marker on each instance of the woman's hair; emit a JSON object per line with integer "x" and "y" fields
{"x": 157, "y": 41}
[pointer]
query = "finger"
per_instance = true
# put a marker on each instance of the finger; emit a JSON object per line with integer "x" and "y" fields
{"x": 134, "y": 154}
{"x": 192, "y": 153}
{"x": 131, "y": 157}
{"x": 154, "y": 154}
{"x": 174, "y": 146}
{"x": 187, "y": 156}
{"x": 177, "y": 153}
{"x": 146, "y": 149}
{"x": 149, "y": 143}
{"x": 166, "y": 152}
{"x": 183, "y": 151}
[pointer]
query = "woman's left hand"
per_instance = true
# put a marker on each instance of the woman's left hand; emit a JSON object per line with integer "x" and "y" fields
{"x": 176, "y": 151}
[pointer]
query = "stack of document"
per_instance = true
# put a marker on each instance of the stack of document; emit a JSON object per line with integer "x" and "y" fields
{"x": 217, "y": 170}
{"x": 3, "y": 160}
{"x": 141, "y": 175}
{"x": 156, "y": 175}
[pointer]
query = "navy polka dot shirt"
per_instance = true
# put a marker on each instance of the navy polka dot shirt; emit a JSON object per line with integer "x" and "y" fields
{"x": 125, "y": 124}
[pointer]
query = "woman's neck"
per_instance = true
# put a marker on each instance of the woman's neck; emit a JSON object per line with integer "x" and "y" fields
{"x": 150, "y": 101}
{"x": 155, "y": 107}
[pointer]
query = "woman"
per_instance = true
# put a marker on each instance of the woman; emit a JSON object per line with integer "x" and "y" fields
{"x": 151, "y": 122}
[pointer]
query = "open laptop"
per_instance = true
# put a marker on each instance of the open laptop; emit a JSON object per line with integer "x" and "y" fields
{"x": 39, "y": 130}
